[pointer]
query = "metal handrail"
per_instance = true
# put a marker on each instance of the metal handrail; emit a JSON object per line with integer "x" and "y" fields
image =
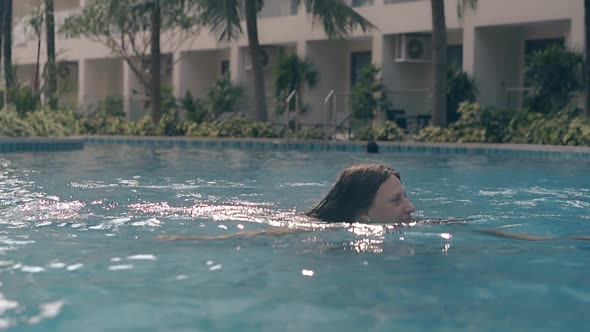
{"x": 289, "y": 98}
{"x": 329, "y": 97}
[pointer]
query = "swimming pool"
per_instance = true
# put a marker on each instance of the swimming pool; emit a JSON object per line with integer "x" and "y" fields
{"x": 79, "y": 252}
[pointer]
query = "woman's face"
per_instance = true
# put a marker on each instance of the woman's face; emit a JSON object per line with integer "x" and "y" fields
{"x": 391, "y": 205}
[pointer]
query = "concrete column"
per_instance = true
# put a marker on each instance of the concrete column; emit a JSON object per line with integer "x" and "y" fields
{"x": 576, "y": 40}
{"x": 236, "y": 65}
{"x": 178, "y": 88}
{"x": 469, "y": 49}
{"x": 130, "y": 84}
{"x": 82, "y": 84}
{"x": 301, "y": 48}
{"x": 576, "y": 37}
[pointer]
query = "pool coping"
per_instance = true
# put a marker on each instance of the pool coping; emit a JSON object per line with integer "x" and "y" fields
{"x": 351, "y": 146}
{"x": 22, "y": 144}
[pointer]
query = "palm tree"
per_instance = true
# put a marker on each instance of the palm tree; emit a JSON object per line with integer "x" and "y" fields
{"x": 439, "y": 58}
{"x": 51, "y": 64}
{"x": 155, "y": 70}
{"x": 224, "y": 18}
{"x": 35, "y": 22}
{"x": 587, "y": 28}
{"x": 8, "y": 44}
{"x": 439, "y": 64}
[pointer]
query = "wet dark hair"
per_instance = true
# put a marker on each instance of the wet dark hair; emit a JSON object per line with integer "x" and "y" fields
{"x": 353, "y": 193}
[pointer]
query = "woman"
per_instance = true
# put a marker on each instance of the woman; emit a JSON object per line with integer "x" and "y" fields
{"x": 369, "y": 194}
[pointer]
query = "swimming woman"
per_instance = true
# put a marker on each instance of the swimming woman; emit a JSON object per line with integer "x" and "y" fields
{"x": 366, "y": 194}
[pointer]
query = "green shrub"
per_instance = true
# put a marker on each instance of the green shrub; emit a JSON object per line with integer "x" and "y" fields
{"x": 12, "y": 125}
{"x": 46, "y": 122}
{"x": 461, "y": 88}
{"x": 365, "y": 133}
{"x": 311, "y": 133}
{"x": 196, "y": 110}
{"x": 235, "y": 127}
{"x": 554, "y": 75}
{"x": 567, "y": 127}
{"x": 390, "y": 132}
{"x": 222, "y": 97}
{"x": 475, "y": 125}
{"x": 369, "y": 95}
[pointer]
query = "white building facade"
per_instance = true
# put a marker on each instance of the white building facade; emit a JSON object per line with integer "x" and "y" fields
{"x": 489, "y": 43}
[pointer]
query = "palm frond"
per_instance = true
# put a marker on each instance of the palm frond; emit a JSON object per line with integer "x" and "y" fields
{"x": 223, "y": 17}
{"x": 338, "y": 19}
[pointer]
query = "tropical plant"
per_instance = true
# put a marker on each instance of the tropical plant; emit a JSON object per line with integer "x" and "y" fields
{"x": 461, "y": 87}
{"x": 369, "y": 95}
{"x": 222, "y": 97}
{"x": 291, "y": 73}
{"x": 554, "y": 75}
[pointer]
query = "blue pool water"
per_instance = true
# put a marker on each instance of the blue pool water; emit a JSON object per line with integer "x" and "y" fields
{"x": 79, "y": 249}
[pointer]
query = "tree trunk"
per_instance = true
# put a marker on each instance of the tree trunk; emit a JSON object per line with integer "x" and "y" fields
{"x": 587, "y": 49}
{"x": 51, "y": 63}
{"x": 37, "y": 64}
{"x": 256, "y": 58}
{"x": 155, "y": 71}
{"x": 439, "y": 64}
{"x": 8, "y": 45}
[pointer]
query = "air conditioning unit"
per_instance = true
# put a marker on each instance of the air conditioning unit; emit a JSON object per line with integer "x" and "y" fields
{"x": 269, "y": 55}
{"x": 413, "y": 48}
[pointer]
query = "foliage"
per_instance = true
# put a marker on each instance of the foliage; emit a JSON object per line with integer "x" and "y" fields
{"x": 12, "y": 125}
{"x": 474, "y": 125}
{"x": 338, "y": 19}
{"x": 222, "y": 97}
{"x": 461, "y": 88}
{"x": 311, "y": 133}
{"x": 389, "y": 132}
{"x": 112, "y": 106}
{"x": 554, "y": 75}
{"x": 195, "y": 109}
{"x": 102, "y": 124}
{"x": 369, "y": 95}
{"x": 24, "y": 99}
{"x": 291, "y": 73}
{"x": 566, "y": 127}
{"x": 46, "y": 122}
{"x": 235, "y": 127}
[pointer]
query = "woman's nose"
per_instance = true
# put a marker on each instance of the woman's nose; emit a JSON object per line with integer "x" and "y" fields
{"x": 410, "y": 207}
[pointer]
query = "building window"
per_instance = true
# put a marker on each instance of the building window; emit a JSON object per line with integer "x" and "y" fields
{"x": 535, "y": 45}
{"x": 455, "y": 56}
{"x": 358, "y": 61}
{"x": 224, "y": 67}
{"x": 294, "y": 7}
